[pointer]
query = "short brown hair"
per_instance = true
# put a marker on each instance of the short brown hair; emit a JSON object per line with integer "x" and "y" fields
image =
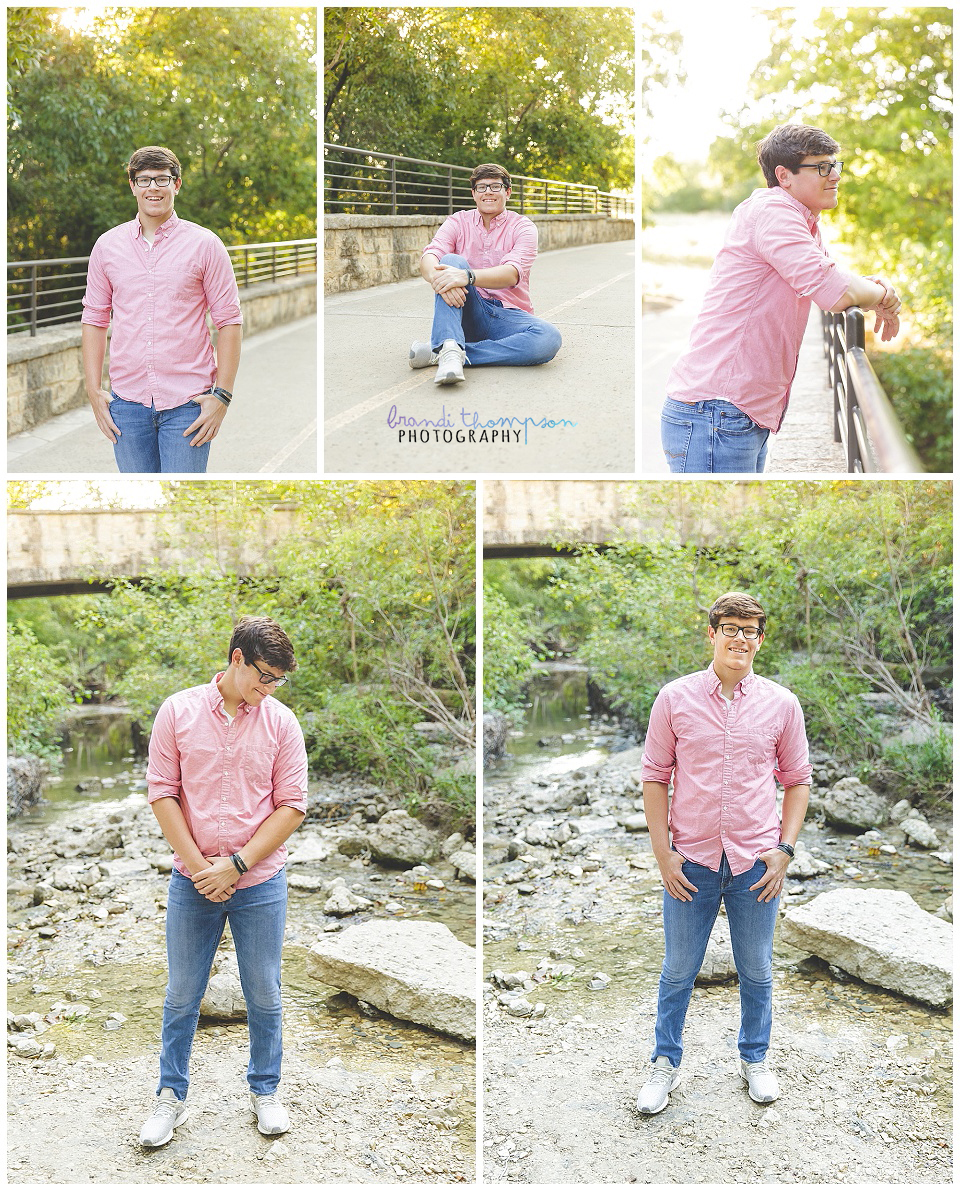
{"x": 789, "y": 144}
{"x": 739, "y": 604}
{"x": 489, "y": 171}
{"x": 261, "y": 639}
{"x": 152, "y": 157}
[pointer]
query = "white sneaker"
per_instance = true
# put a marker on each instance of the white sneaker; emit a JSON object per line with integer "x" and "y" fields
{"x": 422, "y": 355}
{"x": 450, "y": 360}
{"x": 272, "y": 1117}
{"x": 655, "y": 1093}
{"x": 760, "y": 1080}
{"x": 159, "y": 1126}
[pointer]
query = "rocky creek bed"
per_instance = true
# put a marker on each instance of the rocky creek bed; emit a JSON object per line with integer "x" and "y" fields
{"x": 372, "y": 1099}
{"x": 572, "y": 953}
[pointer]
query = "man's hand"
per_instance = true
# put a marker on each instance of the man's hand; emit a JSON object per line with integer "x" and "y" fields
{"x": 212, "y": 413}
{"x": 887, "y": 311}
{"x": 100, "y": 400}
{"x": 771, "y": 884}
{"x": 216, "y": 883}
{"x": 451, "y": 284}
{"x": 675, "y": 883}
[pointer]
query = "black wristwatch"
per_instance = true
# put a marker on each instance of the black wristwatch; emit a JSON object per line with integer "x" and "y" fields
{"x": 471, "y": 276}
{"x": 786, "y": 848}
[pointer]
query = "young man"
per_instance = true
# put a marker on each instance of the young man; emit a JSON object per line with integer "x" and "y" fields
{"x": 478, "y": 265}
{"x": 227, "y": 781}
{"x": 724, "y": 734}
{"x": 731, "y": 387}
{"x": 158, "y": 275}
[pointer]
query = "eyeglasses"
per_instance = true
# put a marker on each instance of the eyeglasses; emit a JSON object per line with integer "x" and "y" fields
{"x": 143, "y": 182}
{"x": 823, "y": 168}
{"x": 750, "y": 632}
{"x": 268, "y": 679}
{"x": 493, "y": 187}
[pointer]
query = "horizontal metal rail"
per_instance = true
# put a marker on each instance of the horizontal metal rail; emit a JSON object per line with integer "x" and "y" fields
{"x": 365, "y": 182}
{"x": 47, "y": 293}
{"x": 864, "y": 420}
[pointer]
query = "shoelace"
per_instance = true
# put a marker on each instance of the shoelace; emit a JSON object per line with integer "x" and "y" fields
{"x": 661, "y": 1075}
{"x": 165, "y": 1108}
{"x": 269, "y": 1098}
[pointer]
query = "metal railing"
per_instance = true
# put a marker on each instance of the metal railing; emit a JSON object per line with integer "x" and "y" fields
{"x": 863, "y": 417}
{"x": 47, "y": 293}
{"x": 364, "y": 182}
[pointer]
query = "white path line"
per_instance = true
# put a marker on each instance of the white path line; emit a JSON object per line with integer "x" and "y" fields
{"x": 285, "y": 452}
{"x": 355, "y": 412}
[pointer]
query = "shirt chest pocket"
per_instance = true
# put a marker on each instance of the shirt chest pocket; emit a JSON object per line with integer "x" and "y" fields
{"x": 762, "y": 749}
{"x": 186, "y": 286}
{"x": 257, "y": 768}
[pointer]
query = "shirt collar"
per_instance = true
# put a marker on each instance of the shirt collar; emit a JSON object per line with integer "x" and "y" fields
{"x": 496, "y": 221}
{"x": 216, "y": 699}
{"x": 713, "y": 681}
{"x": 811, "y": 218}
{"x": 165, "y": 228}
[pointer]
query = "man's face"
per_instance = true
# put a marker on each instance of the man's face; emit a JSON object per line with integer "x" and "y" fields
{"x": 817, "y": 194}
{"x": 490, "y": 202}
{"x": 253, "y": 689}
{"x": 733, "y": 656}
{"x": 154, "y": 200}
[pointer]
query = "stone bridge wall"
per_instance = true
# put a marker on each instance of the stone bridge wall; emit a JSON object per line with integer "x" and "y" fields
{"x": 45, "y": 373}
{"x": 364, "y": 250}
{"x": 45, "y": 549}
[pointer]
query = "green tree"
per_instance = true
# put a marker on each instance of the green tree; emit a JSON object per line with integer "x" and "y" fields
{"x": 33, "y": 716}
{"x": 231, "y": 90}
{"x": 546, "y": 92}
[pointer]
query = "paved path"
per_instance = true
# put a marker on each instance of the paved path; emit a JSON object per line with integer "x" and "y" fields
{"x": 588, "y": 292}
{"x": 805, "y": 444}
{"x": 271, "y": 426}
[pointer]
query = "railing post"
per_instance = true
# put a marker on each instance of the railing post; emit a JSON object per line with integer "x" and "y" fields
{"x": 393, "y": 186}
{"x": 246, "y": 267}
{"x": 33, "y": 300}
{"x": 296, "y": 260}
{"x": 450, "y": 191}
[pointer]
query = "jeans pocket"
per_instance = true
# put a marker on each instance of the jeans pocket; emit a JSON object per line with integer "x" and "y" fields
{"x": 737, "y": 422}
{"x": 675, "y": 434}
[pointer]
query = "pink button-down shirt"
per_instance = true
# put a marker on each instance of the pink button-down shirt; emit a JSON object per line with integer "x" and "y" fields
{"x": 724, "y": 756}
{"x": 510, "y": 240}
{"x": 744, "y": 346}
{"x": 229, "y": 776}
{"x": 160, "y": 350}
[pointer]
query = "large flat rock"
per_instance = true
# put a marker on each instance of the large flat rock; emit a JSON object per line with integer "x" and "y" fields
{"x": 417, "y": 971}
{"x": 880, "y": 936}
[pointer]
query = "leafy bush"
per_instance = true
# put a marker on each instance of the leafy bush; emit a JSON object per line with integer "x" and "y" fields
{"x": 40, "y": 700}
{"x": 921, "y": 772}
{"x": 919, "y": 383}
{"x": 507, "y": 656}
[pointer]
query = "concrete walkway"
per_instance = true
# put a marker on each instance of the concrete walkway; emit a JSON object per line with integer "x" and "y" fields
{"x": 271, "y": 426}
{"x": 588, "y": 292}
{"x": 805, "y": 444}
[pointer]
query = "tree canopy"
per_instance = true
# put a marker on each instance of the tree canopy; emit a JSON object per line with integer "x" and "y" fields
{"x": 232, "y": 91}
{"x": 546, "y": 92}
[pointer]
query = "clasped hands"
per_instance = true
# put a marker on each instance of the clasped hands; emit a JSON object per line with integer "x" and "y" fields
{"x": 451, "y": 284}
{"x": 887, "y": 311}
{"x": 217, "y": 882}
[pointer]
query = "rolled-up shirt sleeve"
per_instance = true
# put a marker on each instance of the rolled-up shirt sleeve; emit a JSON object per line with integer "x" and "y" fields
{"x": 783, "y": 240}
{"x": 220, "y": 286}
{"x": 163, "y": 770}
{"x": 660, "y": 744}
{"x": 444, "y": 240}
{"x": 793, "y": 766}
{"x": 290, "y": 769}
{"x": 98, "y": 297}
{"x": 524, "y": 250}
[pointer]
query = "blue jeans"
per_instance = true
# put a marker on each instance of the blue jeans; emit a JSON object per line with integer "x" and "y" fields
{"x": 257, "y": 915}
{"x": 710, "y": 436}
{"x": 490, "y": 332}
{"x": 687, "y": 927}
{"x": 151, "y": 439}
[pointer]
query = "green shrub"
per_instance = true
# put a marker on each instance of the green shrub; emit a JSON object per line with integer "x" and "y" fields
{"x": 919, "y": 383}
{"x": 922, "y": 772}
{"x": 35, "y": 711}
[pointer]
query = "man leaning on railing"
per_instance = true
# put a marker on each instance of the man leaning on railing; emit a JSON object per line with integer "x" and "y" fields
{"x": 157, "y": 275}
{"x": 730, "y": 388}
{"x": 478, "y": 265}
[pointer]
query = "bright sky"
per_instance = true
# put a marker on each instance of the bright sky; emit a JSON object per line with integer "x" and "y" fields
{"x": 721, "y": 46}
